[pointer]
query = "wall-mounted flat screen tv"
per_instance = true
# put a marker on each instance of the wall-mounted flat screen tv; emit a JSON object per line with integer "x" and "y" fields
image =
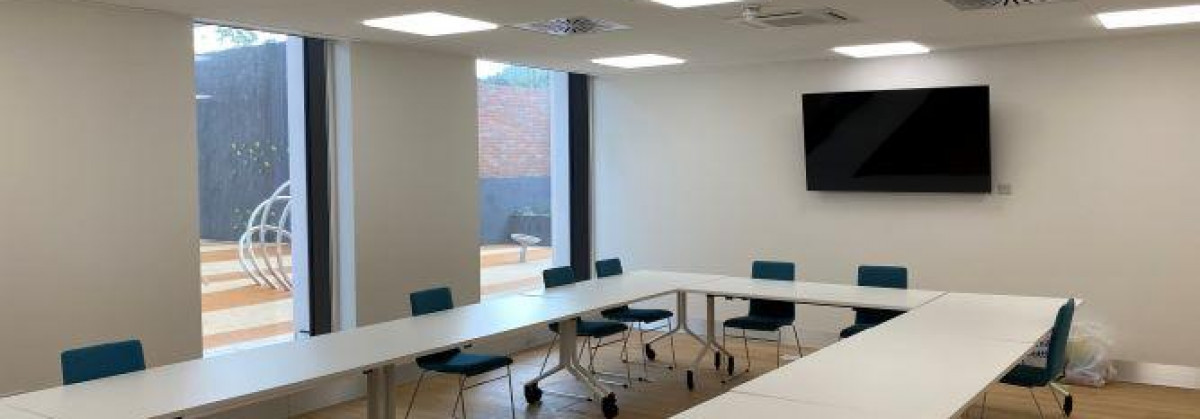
{"x": 913, "y": 140}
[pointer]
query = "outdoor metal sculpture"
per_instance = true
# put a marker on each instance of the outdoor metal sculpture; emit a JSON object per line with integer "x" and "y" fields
{"x": 262, "y": 247}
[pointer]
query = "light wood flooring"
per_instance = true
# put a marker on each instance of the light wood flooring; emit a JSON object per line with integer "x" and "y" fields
{"x": 667, "y": 395}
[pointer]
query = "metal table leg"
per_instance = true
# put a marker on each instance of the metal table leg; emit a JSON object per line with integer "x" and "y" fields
{"x": 681, "y": 325}
{"x": 381, "y": 392}
{"x": 710, "y": 343}
{"x": 568, "y": 360}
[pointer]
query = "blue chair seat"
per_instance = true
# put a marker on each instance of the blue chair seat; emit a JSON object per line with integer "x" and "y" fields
{"x": 1026, "y": 376}
{"x": 595, "y": 329}
{"x": 455, "y": 362}
{"x": 855, "y": 329}
{"x": 759, "y": 323}
{"x": 637, "y": 315}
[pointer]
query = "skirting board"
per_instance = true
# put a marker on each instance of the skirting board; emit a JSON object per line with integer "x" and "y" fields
{"x": 1158, "y": 374}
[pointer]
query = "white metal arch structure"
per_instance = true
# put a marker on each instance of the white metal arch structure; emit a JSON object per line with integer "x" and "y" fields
{"x": 261, "y": 247}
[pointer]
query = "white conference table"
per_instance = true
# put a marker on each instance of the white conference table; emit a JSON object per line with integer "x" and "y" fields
{"x": 996, "y": 317}
{"x": 210, "y": 385}
{"x": 799, "y": 292}
{"x": 931, "y": 362}
{"x": 741, "y": 405}
{"x": 8, "y": 412}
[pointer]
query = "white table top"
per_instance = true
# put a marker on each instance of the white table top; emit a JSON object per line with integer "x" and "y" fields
{"x": 741, "y": 405}
{"x": 893, "y": 374}
{"x": 7, "y": 412}
{"x": 998, "y": 317}
{"x": 603, "y": 293}
{"x": 817, "y": 293}
{"x": 206, "y": 385}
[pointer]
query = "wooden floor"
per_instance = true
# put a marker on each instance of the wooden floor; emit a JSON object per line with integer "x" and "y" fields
{"x": 666, "y": 395}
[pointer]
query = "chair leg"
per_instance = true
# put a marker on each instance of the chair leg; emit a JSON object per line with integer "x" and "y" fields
{"x": 413, "y": 400}
{"x": 746, "y": 344}
{"x": 642, "y": 344}
{"x": 512, "y": 403}
{"x": 1061, "y": 404}
{"x": 1035, "y": 403}
{"x": 671, "y": 339}
{"x": 983, "y": 408}
{"x": 796, "y": 334}
{"x": 548, "y": 350}
{"x": 778, "y": 347}
{"x": 458, "y": 398}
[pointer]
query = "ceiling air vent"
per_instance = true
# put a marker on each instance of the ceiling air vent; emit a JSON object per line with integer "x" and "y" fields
{"x": 998, "y": 4}
{"x": 568, "y": 26}
{"x": 754, "y": 16}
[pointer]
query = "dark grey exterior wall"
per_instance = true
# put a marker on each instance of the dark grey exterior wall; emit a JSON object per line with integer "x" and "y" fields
{"x": 241, "y": 116}
{"x": 514, "y": 205}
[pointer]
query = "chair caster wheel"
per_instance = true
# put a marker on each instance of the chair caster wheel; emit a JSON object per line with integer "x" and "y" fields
{"x": 608, "y": 405}
{"x": 533, "y": 394}
{"x": 1068, "y": 405}
{"x": 691, "y": 381}
{"x": 650, "y": 354}
{"x": 717, "y": 360}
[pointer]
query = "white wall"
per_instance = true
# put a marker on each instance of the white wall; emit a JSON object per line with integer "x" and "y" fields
{"x": 415, "y": 143}
{"x": 98, "y": 178}
{"x": 703, "y": 171}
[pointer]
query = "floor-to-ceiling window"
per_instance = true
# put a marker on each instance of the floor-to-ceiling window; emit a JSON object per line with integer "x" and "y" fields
{"x": 523, "y": 175}
{"x": 250, "y": 117}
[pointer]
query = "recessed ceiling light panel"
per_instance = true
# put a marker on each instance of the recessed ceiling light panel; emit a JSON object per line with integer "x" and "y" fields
{"x": 639, "y": 61}
{"x": 430, "y": 24}
{"x": 692, "y": 3}
{"x": 1150, "y": 17}
{"x": 882, "y": 50}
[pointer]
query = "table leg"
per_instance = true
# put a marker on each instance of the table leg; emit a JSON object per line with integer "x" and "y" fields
{"x": 681, "y": 313}
{"x": 710, "y": 342}
{"x": 568, "y": 360}
{"x": 381, "y": 392}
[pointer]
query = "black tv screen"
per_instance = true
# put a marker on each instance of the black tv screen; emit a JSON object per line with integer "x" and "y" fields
{"x": 914, "y": 140}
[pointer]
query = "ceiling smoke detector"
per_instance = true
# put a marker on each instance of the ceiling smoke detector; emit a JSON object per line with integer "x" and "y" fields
{"x": 567, "y": 26}
{"x": 999, "y": 4}
{"x": 753, "y": 15}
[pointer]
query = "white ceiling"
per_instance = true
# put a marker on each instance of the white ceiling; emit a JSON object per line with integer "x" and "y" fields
{"x": 701, "y": 35}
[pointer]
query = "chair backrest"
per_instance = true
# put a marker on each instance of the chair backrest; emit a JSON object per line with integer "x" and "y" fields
{"x": 608, "y": 267}
{"x": 557, "y": 277}
{"x": 883, "y": 277}
{"x": 100, "y": 361}
{"x": 779, "y": 271}
{"x": 431, "y": 301}
{"x": 1056, "y": 353}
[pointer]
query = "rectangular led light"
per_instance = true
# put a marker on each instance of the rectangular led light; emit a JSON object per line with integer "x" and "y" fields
{"x": 882, "y": 50}
{"x": 639, "y": 61}
{"x": 1150, "y": 17}
{"x": 430, "y": 24}
{"x": 692, "y": 3}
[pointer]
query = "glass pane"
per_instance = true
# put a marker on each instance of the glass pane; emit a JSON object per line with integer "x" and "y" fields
{"x": 246, "y": 122}
{"x": 519, "y": 138}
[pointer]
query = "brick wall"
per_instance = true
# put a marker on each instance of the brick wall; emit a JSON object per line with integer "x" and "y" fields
{"x": 514, "y": 131}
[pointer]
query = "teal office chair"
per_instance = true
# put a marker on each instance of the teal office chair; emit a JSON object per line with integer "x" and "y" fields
{"x": 766, "y": 315}
{"x": 1056, "y": 361}
{"x": 639, "y": 317}
{"x": 101, "y": 361}
{"x": 454, "y": 361}
{"x": 595, "y": 330}
{"x": 876, "y": 276}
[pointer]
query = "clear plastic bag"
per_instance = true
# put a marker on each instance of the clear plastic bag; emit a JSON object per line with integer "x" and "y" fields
{"x": 1089, "y": 352}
